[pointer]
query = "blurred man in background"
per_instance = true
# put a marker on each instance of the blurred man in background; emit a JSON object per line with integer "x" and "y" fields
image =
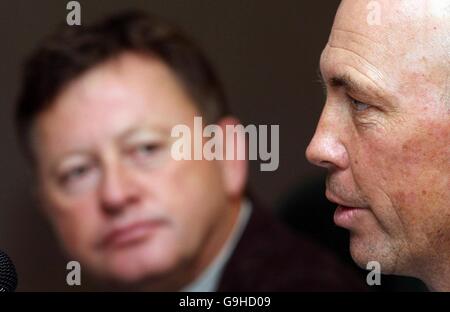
{"x": 95, "y": 115}
{"x": 384, "y": 134}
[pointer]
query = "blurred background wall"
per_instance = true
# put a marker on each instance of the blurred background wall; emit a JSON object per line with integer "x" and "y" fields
{"x": 266, "y": 53}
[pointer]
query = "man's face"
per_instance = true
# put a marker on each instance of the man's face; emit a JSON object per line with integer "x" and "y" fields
{"x": 120, "y": 203}
{"x": 384, "y": 133}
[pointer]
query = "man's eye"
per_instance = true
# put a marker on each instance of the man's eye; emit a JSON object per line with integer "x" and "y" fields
{"x": 358, "y": 106}
{"x": 147, "y": 155}
{"x": 75, "y": 174}
{"x": 146, "y": 149}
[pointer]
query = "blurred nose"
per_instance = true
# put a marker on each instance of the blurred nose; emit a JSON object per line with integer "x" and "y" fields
{"x": 117, "y": 190}
{"x": 326, "y": 148}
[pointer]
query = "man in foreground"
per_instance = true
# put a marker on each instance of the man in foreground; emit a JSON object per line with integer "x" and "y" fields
{"x": 384, "y": 134}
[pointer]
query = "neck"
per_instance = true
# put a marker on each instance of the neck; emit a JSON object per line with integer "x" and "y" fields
{"x": 438, "y": 278}
{"x": 214, "y": 242}
{"x": 434, "y": 270}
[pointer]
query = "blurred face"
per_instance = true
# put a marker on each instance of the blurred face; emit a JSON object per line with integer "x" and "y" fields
{"x": 384, "y": 133}
{"x": 118, "y": 201}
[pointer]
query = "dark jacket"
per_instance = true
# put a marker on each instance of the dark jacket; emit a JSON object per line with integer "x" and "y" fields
{"x": 269, "y": 257}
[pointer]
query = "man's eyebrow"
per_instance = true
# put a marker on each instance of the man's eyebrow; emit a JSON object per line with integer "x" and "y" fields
{"x": 143, "y": 129}
{"x": 350, "y": 84}
{"x": 346, "y": 82}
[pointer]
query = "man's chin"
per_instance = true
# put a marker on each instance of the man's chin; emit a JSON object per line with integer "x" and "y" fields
{"x": 363, "y": 251}
{"x": 132, "y": 279}
{"x": 132, "y": 271}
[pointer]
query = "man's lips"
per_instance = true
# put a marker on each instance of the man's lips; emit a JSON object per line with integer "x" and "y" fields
{"x": 345, "y": 216}
{"x": 131, "y": 233}
{"x": 345, "y": 213}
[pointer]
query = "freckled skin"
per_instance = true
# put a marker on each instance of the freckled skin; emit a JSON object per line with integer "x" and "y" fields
{"x": 393, "y": 158}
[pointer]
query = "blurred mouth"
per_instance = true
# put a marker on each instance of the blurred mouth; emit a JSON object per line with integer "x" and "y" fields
{"x": 131, "y": 234}
{"x": 346, "y": 213}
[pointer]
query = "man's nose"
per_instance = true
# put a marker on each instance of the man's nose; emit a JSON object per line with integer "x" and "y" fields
{"x": 326, "y": 148}
{"x": 117, "y": 190}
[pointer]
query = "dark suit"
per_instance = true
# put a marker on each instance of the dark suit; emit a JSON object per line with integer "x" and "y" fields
{"x": 269, "y": 257}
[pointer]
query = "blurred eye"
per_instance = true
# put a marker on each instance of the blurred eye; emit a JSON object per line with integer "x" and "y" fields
{"x": 358, "y": 106}
{"x": 75, "y": 174}
{"x": 145, "y": 150}
{"x": 144, "y": 153}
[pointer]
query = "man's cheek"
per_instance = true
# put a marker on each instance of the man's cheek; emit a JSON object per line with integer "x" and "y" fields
{"x": 381, "y": 173}
{"x": 424, "y": 168}
{"x": 426, "y": 157}
{"x": 375, "y": 166}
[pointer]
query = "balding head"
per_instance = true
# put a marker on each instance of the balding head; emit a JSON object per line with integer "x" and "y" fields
{"x": 413, "y": 34}
{"x": 384, "y": 133}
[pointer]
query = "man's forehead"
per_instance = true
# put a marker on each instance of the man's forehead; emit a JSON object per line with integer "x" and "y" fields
{"x": 410, "y": 36}
{"x": 399, "y": 9}
{"x": 394, "y": 19}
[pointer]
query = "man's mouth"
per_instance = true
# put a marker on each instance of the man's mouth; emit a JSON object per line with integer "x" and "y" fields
{"x": 346, "y": 213}
{"x": 131, "y": 234}
{"x": 345, "y": 216}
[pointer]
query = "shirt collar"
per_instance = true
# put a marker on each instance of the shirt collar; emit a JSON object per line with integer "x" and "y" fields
{"x": 208, "y": 280}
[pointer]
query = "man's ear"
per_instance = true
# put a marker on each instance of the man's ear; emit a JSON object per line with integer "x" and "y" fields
{"x": 234, "y": 164}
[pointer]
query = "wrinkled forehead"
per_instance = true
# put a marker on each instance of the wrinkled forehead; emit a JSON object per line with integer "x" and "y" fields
{"x": 401, "y": 25}
{"x": 393, "y": 41}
